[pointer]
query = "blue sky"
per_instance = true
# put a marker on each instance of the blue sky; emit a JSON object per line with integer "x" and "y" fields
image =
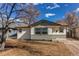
{"x": 55, "y": 11}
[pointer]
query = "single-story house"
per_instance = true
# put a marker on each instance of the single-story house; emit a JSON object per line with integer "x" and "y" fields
{"x": 11, "y": 33}
{"x": 42, "y": 30}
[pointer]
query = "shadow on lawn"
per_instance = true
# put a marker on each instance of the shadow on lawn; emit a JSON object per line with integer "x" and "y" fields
{"x": 42, "y": 42}
{"x": 32, "y": 50}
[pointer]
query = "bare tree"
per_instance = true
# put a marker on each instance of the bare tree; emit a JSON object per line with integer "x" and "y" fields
{"x": 9, "y": 12}
{"x": 71, "y": 20}
{"x": 31, "y": 13}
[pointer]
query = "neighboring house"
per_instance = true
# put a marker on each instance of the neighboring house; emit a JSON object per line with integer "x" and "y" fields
{"x": 74, "y": 31}
{"x": 77, "y": 33}
{"x": 12, "y": 31}
{"x": 42, "y": 30}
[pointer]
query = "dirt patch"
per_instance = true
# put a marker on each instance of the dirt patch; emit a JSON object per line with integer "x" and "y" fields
{"x": 43, "y": 48}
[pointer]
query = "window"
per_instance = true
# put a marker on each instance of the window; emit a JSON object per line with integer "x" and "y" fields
{"x": 54, "y": 30}
{"x": 41, "y": 31}
{"x": 37, "y": 31}
{"x": 9, "y": 31}
{"x": 61, "y": 29}
{"x": 44, "y": 30}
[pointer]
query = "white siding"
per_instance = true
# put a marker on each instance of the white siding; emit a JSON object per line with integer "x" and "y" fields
{"x": 50, "y": 36}
{"x": 24, "y": 34}
{"x": 50, "y": 32}
{"x": 32, "y": 31}
{"x": 20, "y": 34}
{"x": 56, "y": 33}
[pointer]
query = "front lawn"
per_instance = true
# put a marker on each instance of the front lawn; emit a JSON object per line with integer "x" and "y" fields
{"x": 33, "y": 48}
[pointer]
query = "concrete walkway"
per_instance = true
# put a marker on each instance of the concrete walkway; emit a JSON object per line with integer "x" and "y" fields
{"x": 72, "y": 45}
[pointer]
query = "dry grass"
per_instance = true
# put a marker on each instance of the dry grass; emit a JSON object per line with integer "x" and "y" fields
{"x": 44, "y": 48}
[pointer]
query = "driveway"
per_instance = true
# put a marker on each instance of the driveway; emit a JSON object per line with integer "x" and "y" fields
{"x": 72, "y": 45}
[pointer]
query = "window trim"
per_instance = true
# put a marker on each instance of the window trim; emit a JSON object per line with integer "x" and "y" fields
{"x": 61, "y": 29}
{"x": 42, "y": 31}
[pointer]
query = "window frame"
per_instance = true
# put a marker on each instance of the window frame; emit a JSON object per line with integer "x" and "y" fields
{"x": 41, "y": 31}
{"x": 61, "y": 29}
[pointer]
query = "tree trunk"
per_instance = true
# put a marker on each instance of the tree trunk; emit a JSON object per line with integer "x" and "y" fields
{"x": 2, "y": 46}
{"x": 2, "y": 42}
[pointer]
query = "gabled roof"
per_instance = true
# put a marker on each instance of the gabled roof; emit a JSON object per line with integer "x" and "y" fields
{"x": 42, "y": 23}
{"x": 45, "y": 23}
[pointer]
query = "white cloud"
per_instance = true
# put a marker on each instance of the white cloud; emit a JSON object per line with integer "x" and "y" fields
{"x": 77, "y": 10}
{"x": 49, "y": 14}
{"x": 53, "y": 7}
